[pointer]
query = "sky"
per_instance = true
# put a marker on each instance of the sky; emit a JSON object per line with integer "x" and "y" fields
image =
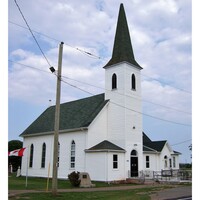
{"x": 161, "y": 35}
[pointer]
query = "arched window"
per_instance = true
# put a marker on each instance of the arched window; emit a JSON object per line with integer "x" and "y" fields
{"x": 133, "y": 82}
{"x": 58, "y": 154}
{"x": 72, "y": 160}
{"x": 114, "y": 81}
{"x": 31, "y": 156}
{"x": 133, "y": 153}
{"x": 165, "y": 160}
{"x": 43, "y": 155}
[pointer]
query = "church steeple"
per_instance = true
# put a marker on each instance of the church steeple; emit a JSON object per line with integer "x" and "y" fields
{"x": 122, "y": 49}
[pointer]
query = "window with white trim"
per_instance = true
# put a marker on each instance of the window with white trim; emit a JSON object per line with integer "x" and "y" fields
{"x": 133, "y": 82}
{"x": 114, "y": 81}
{"x": 170, "y": 162}
{"x": 115, "y": 161}
{"x": 43, "y": 155}
{"x": 31, "y": 156}
{"x": 174, "y": 162}
{"x": 72, "y": 159}
{"x": 147, "y": 162}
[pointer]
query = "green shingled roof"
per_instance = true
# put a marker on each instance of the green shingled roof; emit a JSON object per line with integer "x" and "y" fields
{"x": 106, "y": 146}
{"x": 149, "y": 145}
{"x": 75, "y": 114}
{"x": 146, "y": 139}
{"x": 155, "y": 145}
{"x": 122, "y": 49}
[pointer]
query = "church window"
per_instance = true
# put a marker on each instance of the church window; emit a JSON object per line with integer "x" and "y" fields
{"x": 147, "y": 162}
{"x": 31, "y": 156}
{"x": 133, "y": 82}
{"x": 115, "y": 161}
{"x": 165, "y": 160}
{"x": 174, "y": 162}
{"x": 133, "y": 153}
{"x": 114, "y": 81}
{"x": 43, "y": 155}
{"x": 170, "y": 162}
{"x": 73, "y": 145}
{"x": 58, "y": 154}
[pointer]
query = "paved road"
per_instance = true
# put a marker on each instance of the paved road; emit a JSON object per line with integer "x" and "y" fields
{"x": 178, "y": 193}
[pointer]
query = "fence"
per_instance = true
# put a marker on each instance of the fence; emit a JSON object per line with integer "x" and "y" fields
{"x": 172, "y": 175}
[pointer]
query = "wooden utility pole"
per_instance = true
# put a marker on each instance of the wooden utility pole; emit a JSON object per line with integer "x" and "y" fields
{"x": 56, "y": 125}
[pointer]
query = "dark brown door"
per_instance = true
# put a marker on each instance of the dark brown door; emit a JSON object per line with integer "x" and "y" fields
{"x": 134, "y": 166}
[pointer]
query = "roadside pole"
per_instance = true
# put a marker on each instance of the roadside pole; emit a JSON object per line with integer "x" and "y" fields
{"x": 56, "y": 126}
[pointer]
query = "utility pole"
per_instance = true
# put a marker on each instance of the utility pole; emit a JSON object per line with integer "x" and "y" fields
{"x": 56, "y": 125}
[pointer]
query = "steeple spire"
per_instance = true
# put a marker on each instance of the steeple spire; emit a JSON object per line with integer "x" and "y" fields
{"x": 122, "y": 49}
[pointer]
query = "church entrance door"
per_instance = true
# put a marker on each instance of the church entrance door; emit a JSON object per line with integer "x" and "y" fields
{"x": 134, "y": 164}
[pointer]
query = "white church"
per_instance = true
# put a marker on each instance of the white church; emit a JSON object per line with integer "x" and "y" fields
{"x": 103, "y": 134}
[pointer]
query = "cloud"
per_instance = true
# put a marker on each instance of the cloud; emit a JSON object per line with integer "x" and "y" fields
{"x": 161, "y": 38}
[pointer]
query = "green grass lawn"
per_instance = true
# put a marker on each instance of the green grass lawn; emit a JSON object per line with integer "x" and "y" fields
{"x": 18, "y": 183}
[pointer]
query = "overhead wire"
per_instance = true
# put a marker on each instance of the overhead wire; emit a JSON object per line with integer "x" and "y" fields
{"x": 66, "y": 44}
{"x": 181, "y": 142}
{"x": 94, "y": 56}
{"x": 119, "y": 104}
{"x": 134, "y": 96}
{"x": 78, "y": 50}
{"x": 32, "y": 33}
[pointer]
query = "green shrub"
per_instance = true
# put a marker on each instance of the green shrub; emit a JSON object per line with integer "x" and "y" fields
{"x": 74, "y": 179}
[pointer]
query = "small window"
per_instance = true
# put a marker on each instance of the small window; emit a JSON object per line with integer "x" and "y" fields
{"x": 133, "y": 153}
{"x": 174, "y": 162}
{"x": 72, "y": 159}
{"x": 165, "y": 159}
{"x": 31, "y": 156}
{"x": 170, "y": 162}
{"x": 115, "y": 161}
{"x": 114, "y": 81}
{"x": 43, "y": 155}
{"x": 133, "y": 82}
{"x": 165, "y": 163}
{"x": 147, "y": 162}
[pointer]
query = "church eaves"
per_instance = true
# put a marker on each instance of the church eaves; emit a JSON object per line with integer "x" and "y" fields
{"x": 122, "y": 49}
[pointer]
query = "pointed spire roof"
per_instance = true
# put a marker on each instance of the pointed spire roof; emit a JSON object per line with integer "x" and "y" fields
{"x": 122, "y": 49}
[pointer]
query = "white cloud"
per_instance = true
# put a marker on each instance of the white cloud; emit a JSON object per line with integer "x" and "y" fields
{"x": 161, "y": 38}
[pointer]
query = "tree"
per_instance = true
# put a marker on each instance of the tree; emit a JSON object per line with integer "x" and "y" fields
{"x": 14, "y": 160}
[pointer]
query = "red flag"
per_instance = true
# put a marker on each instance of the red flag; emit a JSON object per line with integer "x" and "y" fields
{"x": 17, "y": 152}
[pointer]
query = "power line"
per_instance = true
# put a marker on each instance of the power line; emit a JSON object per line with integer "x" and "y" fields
{"x": 30, "y": 66}
{"x": 183, "y": 90}
{"x": 138, "y": 99}
{"x": 94, "y": 56}
{"x": 132, "y": 109}
{"x": 76, "y": 87}
{"x": 151, "y": 115}
{"x": 121, "y": 105}
{"x": 181, "y": 142}
{"x": 32, "y": 33}
{"x": 177, "y": 123}
{"x": 76, "y": 48}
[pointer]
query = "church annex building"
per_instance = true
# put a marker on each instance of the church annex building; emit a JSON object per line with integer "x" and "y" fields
{"x": 103, "y": 134}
